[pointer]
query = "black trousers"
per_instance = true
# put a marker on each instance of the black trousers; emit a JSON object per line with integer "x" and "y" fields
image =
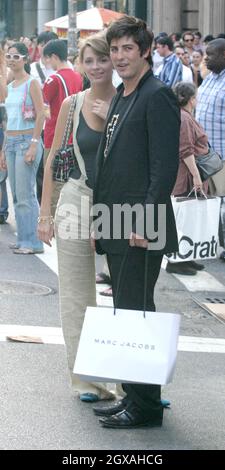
{"x": 130, "y": 295}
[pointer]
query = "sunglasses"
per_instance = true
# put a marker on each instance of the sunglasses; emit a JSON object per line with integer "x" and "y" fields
{"x": 14, "y": 56}
{"x": 188, "y": 40}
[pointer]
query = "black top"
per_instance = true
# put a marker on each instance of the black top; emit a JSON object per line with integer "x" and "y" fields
{"x": 117, "y": 116}
{"x": 88, "y": 140}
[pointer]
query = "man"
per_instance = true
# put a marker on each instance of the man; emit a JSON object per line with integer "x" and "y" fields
{"x": 171, "y": 70}
{"x": 188, "y": 42}
{"x": 64, "y": 82}
{"x": 210, "y": 110}
{"x": 137, "y": 163}
{"x": 186, "y": 71}
{"x": 40, "y": 70}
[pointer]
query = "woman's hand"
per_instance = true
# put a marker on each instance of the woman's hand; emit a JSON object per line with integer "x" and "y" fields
{"x": 46, "y": 231}
{"x": 3, "y": 164}
{"x": 31, "y": 153}
{"x": 100, "y": 108}
{"x": 197, "y": 182}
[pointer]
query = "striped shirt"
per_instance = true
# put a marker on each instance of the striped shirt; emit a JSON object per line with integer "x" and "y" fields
{"x": 172, "y": 70}
{"x": 210, "y": 111}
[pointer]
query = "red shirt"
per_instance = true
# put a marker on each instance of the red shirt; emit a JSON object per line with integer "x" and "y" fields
{"x": 54, "y": 94}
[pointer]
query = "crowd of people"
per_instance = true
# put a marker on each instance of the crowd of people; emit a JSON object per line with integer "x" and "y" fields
{"x": 136, "y": 144}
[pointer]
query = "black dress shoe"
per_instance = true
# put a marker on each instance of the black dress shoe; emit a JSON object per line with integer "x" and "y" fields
{"x": 197, "y": 266}
{"x": 127, "y": 420}
{"x": 110, "y": 409}
{"x": 180, "y": 268}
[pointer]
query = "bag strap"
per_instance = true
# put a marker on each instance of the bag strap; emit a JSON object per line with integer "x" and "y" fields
{"x": 24, "y": 97}
{"x": 196, "y": 194}
{"x": 119, "y": 284}
{"x": 40, "y": 72}
{"x": 63, "y": 83}
{"x": 69, "y": 121}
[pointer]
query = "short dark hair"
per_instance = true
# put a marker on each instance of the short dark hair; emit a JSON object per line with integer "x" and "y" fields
{"x": 57, "y": 47}
{"x": 46, "y": 36}
{"x": 208, "y": 38}
{"x": 131, "y": 27}
{"x": 187, "y": 33}
{"x": 197, "y": 33}
{"x": 184, "y": 91}
{"x": 166, "y": 41}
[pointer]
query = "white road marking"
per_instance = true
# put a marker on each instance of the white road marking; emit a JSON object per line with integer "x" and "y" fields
{"x": 198, "y": 344}
{"x": 202, "y": 281}
{"x": 49, "y": 257}
{"x": 50, "y": 335}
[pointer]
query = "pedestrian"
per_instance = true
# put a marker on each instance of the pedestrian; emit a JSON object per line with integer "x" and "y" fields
{"x": 193, "y": 143}
{"x": 3, "y": 172}
{"x": 64, "y": 82}
{"x": 23, "y": 147}
{"x": 137, "y": 163}
{"x": 210, "y": 113}
{"x": 76, "y": 259}
{"x": 171, "y": 70}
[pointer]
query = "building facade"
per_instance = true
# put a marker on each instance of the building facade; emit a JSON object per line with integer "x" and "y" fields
{"x": 27, "y": 17}
{"x": 207, "y": 16}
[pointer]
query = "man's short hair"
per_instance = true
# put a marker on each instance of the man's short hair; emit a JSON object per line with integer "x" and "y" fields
{"x": 131, "y": 27}
{"x": 46, "y": 36}
{"x": 188, "y": 33}
{"x": 166, "y": 41}
{"x": 57, "y": 47}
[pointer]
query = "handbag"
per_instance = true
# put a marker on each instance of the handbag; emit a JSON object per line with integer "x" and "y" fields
{"x": 197, "y": 240}
{"x": 209, "y": 164}
{"x": 119, "y": 345}
{"x": 217, "y": 183}
{"x": 65, "y": 160}
{"x": 28, "y": 111}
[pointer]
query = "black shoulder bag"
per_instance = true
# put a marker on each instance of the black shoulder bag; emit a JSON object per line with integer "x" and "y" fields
{"x": 65, "y": 160}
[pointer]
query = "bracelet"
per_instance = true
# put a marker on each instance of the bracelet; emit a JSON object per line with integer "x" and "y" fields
{"x": 45, "y": 218}
{"x": 36, "y": 141}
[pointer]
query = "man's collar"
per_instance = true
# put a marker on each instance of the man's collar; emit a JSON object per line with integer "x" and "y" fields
{"x": 218, "y": 75}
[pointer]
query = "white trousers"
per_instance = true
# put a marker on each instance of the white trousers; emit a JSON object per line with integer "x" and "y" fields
{"x": 76, "y": 261}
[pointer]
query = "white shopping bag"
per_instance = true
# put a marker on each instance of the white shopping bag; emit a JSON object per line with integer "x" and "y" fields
{"x": 126, "y": 347}
{"x": 197, "y": 222}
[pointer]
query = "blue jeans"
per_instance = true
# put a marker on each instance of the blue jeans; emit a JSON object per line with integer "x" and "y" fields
{"x": 3, "y": 200}
{"x": 22, "y": 178}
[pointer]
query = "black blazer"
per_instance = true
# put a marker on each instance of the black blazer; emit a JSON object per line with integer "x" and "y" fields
{"x": 142, "y": 159}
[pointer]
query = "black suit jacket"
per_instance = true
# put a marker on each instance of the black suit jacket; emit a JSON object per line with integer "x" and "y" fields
{"x": 142, "y": 159}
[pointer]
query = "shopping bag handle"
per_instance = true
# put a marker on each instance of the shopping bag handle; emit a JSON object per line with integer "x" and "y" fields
{"x": 196, "y": 194}
{"x": 118, "y": 288}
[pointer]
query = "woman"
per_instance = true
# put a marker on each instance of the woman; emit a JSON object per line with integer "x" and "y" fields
{"x": 197, "y": 58}
{"x": 3, "y": 172}
{"x": 75, "y": 256}
{"x": 23, "y": 148}
{"x": 193, "y": 141}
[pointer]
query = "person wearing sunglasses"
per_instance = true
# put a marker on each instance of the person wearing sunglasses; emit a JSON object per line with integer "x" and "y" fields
{"x": 3, "y": 172}
{"x": 23, "y": 147}
{"x": 188, "y": 42}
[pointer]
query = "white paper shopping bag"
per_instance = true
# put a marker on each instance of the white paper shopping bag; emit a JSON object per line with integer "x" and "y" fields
{"x": 197, "y": 222}
{"x": 127, "y": 347}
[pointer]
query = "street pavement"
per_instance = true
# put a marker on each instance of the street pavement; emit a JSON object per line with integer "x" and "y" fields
{"x": 37, "y": 408}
